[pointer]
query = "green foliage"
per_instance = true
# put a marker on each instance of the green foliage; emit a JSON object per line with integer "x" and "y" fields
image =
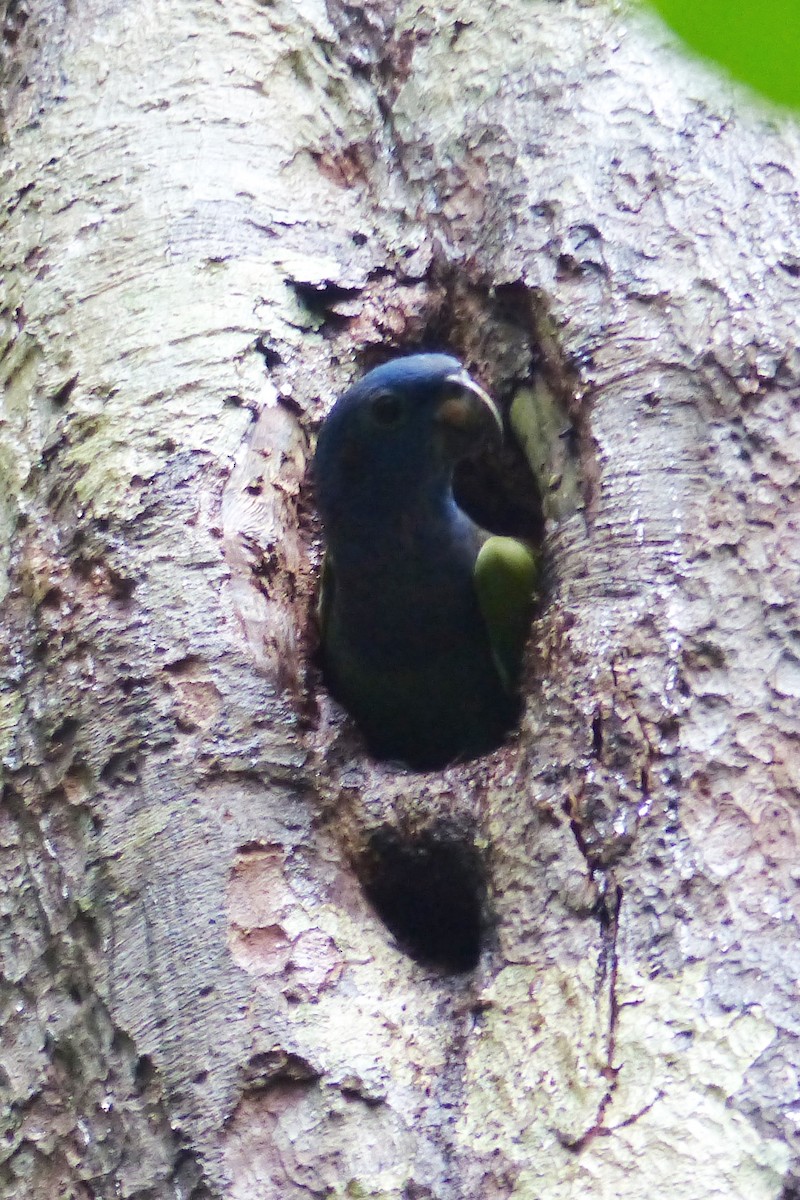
{"x": 758, "y": 41}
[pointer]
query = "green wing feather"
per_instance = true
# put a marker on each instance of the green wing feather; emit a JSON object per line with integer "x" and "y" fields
{"x": 506, "y": 571}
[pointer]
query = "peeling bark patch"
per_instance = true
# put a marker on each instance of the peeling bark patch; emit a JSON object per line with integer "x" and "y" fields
{"x": 276, "y": 1067}
{"x": 103, "y": 580}
{"x": 197, "y": 705}
{"x": 295, "y": 1139}
{"x": 61, "y": 395}
{"x": 393, "y": 313}
{"x": 324, "y": 300}
{"x": 345, "y": 167}
{"x": 266, "y": 933}
{"x": 786, "y": 680}
{"x": 429, "y": 890}
{"x": 196, "y": 700}
{"x": 63, "y": 737}
{"x": 271, "y": 354}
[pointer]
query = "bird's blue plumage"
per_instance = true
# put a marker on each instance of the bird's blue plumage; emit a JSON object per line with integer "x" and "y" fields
{"x": 405, "y": 644}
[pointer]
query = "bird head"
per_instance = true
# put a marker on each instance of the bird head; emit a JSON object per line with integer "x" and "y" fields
{"x": 401, "y": 428}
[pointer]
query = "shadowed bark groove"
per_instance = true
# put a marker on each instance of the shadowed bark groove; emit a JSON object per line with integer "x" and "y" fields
{"x": 239, "y": 958}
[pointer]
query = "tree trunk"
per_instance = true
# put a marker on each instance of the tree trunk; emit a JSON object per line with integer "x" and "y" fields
{"x": 240, "y": 959}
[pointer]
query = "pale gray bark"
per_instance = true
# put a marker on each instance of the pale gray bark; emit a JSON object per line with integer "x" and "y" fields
{"x": 215, "y": 215}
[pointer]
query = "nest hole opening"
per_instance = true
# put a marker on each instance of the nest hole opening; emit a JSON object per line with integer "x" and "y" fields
{"x": 464, "y": 712}
{"x": 430, "y": 892}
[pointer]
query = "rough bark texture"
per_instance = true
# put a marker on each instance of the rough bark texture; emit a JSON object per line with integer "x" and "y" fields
{"x": 226, "y": 934}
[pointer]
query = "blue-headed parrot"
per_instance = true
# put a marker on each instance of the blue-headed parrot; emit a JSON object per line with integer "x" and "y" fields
{"x": 423, "y": 614}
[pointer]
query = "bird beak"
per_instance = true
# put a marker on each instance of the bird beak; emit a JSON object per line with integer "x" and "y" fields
{"x": 468, "y": 413}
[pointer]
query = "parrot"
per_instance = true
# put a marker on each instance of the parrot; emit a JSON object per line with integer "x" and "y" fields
{"x": 423, "y": 614}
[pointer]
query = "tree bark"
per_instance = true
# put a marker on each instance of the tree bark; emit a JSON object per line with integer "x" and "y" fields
{"x": 239, "y": 958}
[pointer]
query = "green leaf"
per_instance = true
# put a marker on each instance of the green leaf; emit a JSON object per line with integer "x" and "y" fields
{"x": 758, "y": 41}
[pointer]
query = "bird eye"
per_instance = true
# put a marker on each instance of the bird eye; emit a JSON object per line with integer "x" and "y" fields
{"x": 387, "y": 409}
